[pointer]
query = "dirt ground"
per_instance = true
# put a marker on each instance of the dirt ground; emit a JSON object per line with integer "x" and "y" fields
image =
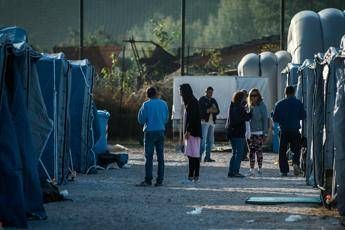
{"x": 110, "y": 199}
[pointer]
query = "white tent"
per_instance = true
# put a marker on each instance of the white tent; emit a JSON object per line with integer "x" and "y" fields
{"x": 266, "y": 64}
{"x": 311, "y": 33}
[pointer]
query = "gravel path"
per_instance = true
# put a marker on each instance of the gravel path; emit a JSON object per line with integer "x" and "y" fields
{"x": 110, "y": 199}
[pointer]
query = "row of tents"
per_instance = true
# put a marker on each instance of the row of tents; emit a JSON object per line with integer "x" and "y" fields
{"x": 315, "y": 64}
{"x": 316, "y": 43}
{"x": 321, "y": 87}
{"x": 48, "y": 124}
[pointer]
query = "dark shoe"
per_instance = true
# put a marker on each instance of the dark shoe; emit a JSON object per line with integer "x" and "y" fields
{"x": 196, "y": 179}
{"x": 209, "y": 160}
{"x": 284, "y": 174}
{"x": 231, "y": 175}
{"x": 246, "y": 159}
{"x": 342, "y": 221}
{"x": 144, "y": 184}
{"x": 239, "y": 175}
{"x": 158, "y": 184}
{"x": 296, "y": 170}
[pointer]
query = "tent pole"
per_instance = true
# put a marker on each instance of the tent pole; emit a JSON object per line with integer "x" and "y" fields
{"x": 81, "y": 28}
{"x": 183, "y": 19}
{"x": 282, "y": 12}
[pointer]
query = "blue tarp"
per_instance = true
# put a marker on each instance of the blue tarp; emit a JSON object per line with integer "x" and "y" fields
{"x": 47, "y": 114}
{"x": 82, "y": 136}
{"x": 20, "y": 192}
{"x": 54, "y": 76}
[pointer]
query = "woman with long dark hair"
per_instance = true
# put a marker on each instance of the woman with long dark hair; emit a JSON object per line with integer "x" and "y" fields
{"x": 258, "y": 127}
{"x": 236, "y": 132}
{"x": 192, "y": 131}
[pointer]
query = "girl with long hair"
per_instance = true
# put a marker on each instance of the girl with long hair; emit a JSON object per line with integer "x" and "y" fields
{"x": 258, "y": 129}
{"x": 192, "y": 131}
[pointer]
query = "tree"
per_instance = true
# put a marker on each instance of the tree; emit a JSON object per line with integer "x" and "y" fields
{"x": 233, "y": 24}
{"x": 266, "y": 14}
{"x": 97, "y": 37}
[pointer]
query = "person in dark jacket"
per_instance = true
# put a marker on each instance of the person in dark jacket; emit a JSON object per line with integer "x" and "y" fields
{"x": 208, "y": 113}
{"x": 288, "y": 113}
{"x": 236, "y": 132}
{"x": 192, "y": 131}
{"x": 246, "y": 147}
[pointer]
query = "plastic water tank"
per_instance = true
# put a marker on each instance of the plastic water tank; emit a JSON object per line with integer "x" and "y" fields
{"x": 102, "y": 145}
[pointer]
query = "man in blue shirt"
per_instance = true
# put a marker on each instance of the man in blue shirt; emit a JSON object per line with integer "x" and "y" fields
{"x": 288, "y": 113}
{"x": 153, "y": 115}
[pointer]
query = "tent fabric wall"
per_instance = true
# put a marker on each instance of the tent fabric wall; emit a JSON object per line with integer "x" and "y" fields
{"x": 334, "y": 156}
{"x": 339, "y": 126}
{"x": 82, "y": 136}
{"x": 306, "y": 84}
{"x": 24, "y": 64}
{"x": 318, "y": 124}
{"x": 324, "y": 78}
{"x": 12, "y": 211}
{"x": 18, "y": 157}
{"x": 330, "y": 94}
{"x": 35, "y": 107}
{"x": 41, "y": 125}
{"x": 311, "y": 33}
{"x": 54, "y": 76}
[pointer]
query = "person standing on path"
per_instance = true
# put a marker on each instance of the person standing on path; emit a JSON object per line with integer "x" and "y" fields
{"x": 259, "y": 129}
{"x": 192, "y": 133}
{"x": 288, "y": 113}
{"x": 246, "y": 147}
{"x": 153, "y": 115}
{"x": 236, "y": 132}
{"x": 208, "y": 113}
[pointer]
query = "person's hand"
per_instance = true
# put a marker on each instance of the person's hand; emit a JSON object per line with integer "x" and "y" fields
{"x": 214, "y": 108}
{"x": 186, "y": 135}
{"x": 209, "y": 110}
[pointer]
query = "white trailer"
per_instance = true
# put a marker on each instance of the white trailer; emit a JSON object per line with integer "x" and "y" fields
{"x": 224, "y": 87}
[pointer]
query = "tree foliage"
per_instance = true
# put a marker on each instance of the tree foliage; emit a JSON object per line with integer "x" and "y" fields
{"x": 97, "y": 37}
{"x": 115, "y": 78}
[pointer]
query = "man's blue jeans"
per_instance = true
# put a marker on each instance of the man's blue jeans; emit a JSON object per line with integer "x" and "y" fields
{"x": 237, "y": 145}
{"x": 154, "y": 140}
{"x": 207, "y": 140}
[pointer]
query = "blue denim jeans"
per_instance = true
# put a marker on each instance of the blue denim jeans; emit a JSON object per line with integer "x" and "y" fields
{"x": 207, "y": 140}
{"x": 154, "y": 140}
{"x": 237, "y": 155}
